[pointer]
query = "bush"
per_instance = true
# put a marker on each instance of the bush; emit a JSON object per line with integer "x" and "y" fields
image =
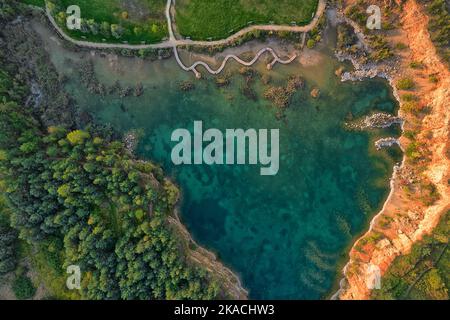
{"x": 416, "y": 65}
{"x": 407, "y": 97}
{"x": 433, "y": 78}
{"x": 117, "y": 31}
{"x": 105, "y": 29}
{"x": 387, "y": 26}
{"x": 356, "y": 14}
{"x": 405, "y": 84}
{"x": 400, "y": 46}
{"x": 411, "y": 107}
{"x": 381, "y": 54}
{"x": 310, "y": 43}
{"x": 381, "y": 48}
{"x": 410, "y": 134}
{"x": 8, "y": 243}
{"x": 77, "y": 137}
{"x": 346, "y": 37}
{"x": 23, "y": 287}
{"x": 8, "y": 239}
{"x": 412, "y": 151}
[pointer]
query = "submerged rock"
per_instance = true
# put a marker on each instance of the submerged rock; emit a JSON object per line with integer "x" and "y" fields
{"x": 339, "y": 71}
{"x": 386, "y": 143}
{"x": 376, "y": 120}
{"x": 315, "y": 93}
{"x": 187, "y": 86}
{"x": 138, "y": 90}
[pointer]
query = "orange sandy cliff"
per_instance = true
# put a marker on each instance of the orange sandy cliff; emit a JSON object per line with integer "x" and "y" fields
{"x": 409, "y": 217}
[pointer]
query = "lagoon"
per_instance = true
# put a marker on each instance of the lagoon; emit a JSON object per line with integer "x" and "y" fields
{"x": 286, "y": 235}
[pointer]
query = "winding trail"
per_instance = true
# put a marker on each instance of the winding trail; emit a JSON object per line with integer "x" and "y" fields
{"x": 173, "y": 42}
{"x": 232, "y": 56}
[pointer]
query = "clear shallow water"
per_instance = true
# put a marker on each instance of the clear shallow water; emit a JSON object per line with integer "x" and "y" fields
{"x": 285, "y": 235}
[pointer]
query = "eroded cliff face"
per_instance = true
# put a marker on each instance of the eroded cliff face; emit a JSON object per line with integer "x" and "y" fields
{"x": 406, "y": 218}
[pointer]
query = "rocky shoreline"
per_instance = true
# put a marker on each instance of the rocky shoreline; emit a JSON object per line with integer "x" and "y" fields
{"x": 230, "y": 281}
{"x": 366, "y": 70}
{"x": 386, "y": 143}
{"x": 376, "y": 120}
{"x": 409, "y": 219}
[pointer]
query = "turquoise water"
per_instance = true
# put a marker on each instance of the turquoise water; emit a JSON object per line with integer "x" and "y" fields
{"x": 285, "y": 235}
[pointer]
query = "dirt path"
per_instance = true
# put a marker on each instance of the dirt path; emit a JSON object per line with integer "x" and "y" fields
{"x": 234, "y": 57}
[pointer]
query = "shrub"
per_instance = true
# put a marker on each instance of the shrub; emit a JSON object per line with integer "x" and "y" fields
{"x": 387, "y": 26}
{"x": 416, "y": 65}
{"x": 51, "y": 6}
{"x": 400, "y": 46}
{"x": 385, "y": 222}
{"x": 117, "y": 31}
{"x": 77, "y": 137}
{"x": 430, "y": 193}
{"x": 105, "y": 29}
{"x": 410, "y": 134}
{"x": 405, "y": 84}
{"x": 356, "y": 14}
{"x": 346, "y": 36}
{"x": 8, "y": 239}
{"x": 412, "y": 107}
{"x": 407, "y": 97}
{"x": 94, "y": 27}
{"x": 154, "y": 28}
{"x": 381, "y": 48}
{"x": 23, "y": 287}
{"x": 310, "y": 43}
{"x": 433, "y": 78}
{"x": 381, "y": 54}
{"x": 61, "y": 18}
{"x": 412, "y": 151}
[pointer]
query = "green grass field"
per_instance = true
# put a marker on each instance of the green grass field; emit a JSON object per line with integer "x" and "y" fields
{"x": 37, "y": 3}
{"x": 133, "y": 21}
{"x": 137, "y": 21}
{"x": 218, "y": 19}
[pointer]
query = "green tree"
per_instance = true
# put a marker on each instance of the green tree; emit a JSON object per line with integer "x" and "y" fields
{"x": 23, "y": 287}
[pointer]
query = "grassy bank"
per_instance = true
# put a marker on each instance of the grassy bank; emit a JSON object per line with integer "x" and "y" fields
{"x": 218, "y": 19}
{"x": 37, "y": 3}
